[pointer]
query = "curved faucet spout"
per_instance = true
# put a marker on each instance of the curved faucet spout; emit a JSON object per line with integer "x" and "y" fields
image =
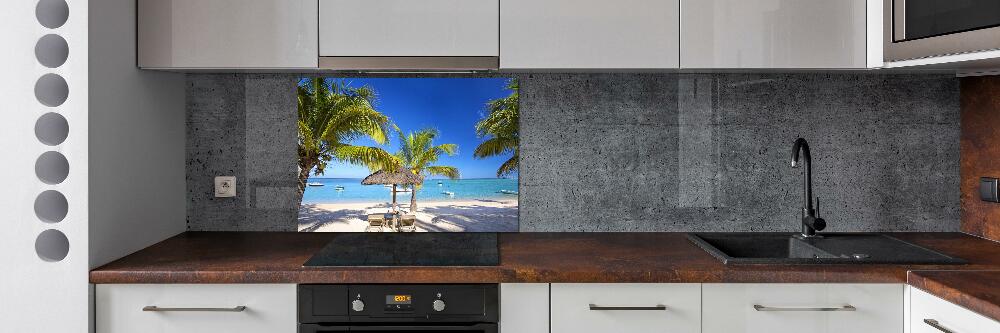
{"x": 807, "y": 188}
{"x": 810, "y": 222}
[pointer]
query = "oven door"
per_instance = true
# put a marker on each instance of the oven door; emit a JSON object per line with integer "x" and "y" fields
{"x": 474, "y": 328}
{"x": 916, "y": 29}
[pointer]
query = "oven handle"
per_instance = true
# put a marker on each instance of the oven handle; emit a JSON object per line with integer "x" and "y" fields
{"x": 315, "y": 328}
{"x": 485, "y": 328}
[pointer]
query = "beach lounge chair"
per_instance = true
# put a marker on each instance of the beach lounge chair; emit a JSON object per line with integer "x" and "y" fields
{"x": 375, "y": 221}
{"x": 408, "y": 223}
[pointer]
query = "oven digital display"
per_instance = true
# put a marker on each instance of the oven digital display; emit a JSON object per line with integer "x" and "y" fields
{"x": 398, "y": 299}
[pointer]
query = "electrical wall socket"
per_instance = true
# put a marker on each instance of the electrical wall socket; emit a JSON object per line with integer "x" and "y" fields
{"x": 225, "y": 187}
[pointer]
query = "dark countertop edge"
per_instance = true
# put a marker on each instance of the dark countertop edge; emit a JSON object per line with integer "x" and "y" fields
{"x": 969, "y": 292}
{"x": 226, "y": 257}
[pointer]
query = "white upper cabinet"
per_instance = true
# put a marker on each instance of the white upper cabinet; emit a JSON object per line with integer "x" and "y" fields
{"x": 777, "y": 34}
{"x": 409, "y": 28}
{"x": 227, "y": 33}
{"x": 589, "y": 34}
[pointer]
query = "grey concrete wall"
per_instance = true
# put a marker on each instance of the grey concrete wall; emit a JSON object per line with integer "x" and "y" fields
{"x": 245, "y": 126}
{"x": 642, "y": 152}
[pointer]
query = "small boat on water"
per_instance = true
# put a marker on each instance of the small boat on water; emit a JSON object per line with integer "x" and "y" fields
{"x": 315, "y": 184}
{"x": 448, "y": 193}
{"x": 403, "y": 189}
{"x": 507, "y": 192}
{"x": 440, "y": 184}
{"x": 339, "y": 188}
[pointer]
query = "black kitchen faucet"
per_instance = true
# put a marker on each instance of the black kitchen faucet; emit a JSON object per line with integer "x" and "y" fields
{"x": 810, "y": 221}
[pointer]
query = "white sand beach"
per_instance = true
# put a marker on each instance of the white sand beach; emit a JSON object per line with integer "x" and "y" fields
{"x": 477, "y": 215}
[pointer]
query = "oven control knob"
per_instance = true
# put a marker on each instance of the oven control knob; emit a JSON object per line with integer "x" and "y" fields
{"x": 438, "y": 305}
{"x": 358, "y": 305}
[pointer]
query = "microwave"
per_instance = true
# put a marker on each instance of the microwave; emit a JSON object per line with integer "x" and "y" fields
{"x": 915, "y": 29}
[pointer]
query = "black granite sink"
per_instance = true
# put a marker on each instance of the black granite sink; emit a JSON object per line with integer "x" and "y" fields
{"x": 834, "y": 248}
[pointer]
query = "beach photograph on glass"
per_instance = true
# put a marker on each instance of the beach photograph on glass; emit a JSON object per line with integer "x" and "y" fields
{"x": 408, "y": 154}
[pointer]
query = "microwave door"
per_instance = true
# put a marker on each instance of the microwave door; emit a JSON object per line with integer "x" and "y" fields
{"x": 915, "y": 29}
{"x": 918, "y": 19}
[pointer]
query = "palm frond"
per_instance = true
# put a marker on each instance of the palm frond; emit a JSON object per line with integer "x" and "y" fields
{"x": 372, "y": 157}
{"x": 495, "y": 146}
{"x": 441, "y": 170}
{"x": 500, "y": 128}
{"x": 509, "y": 167}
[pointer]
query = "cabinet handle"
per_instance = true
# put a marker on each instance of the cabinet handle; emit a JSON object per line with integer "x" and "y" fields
{"x": 154, "y": 308}
{"x": 657, "y": 307}
{"x": 935, "y": 324}
{"x": 759, "y": 307}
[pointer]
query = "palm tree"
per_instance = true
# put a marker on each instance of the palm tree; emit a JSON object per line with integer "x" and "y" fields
{"x": 418, "y": 154}
{"x": 500, "y": 128}
{"x": 332, "y": 114}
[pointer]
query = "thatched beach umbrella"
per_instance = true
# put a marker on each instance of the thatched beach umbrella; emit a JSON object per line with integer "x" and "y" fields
{"x": 383, "y": 177}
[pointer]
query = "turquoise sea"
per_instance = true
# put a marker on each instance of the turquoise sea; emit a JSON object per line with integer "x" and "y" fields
{"x": 432, "y": 190}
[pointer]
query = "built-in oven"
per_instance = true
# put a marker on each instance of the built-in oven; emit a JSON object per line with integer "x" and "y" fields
{"x": 385, "y": 308}
{"x": 928, "y": 28}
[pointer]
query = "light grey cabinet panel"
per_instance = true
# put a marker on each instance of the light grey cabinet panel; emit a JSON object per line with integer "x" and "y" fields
{"x": 773, "y": 34}
{"x": 408, "y": 28}
{"x": 589, "y": 34}
{"x": 228, "y": 33}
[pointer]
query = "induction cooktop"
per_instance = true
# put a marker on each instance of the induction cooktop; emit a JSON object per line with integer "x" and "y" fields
{"x": 408, "y": 249}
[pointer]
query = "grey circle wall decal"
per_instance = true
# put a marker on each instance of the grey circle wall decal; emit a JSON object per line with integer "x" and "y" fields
{"x": 52, "y": 167}
{"x": 51, "y": 90}
{"x": 52, "y": 13}
{"x": 51, "y": 51}
{"x": 52, "y": 245}
{"x": 51, "y": 129}
{"x": 51, "y": 206}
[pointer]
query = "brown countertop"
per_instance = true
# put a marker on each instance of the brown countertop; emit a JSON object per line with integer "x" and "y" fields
{"x": 268, "y": 257}
{"x": 978, "y": 291}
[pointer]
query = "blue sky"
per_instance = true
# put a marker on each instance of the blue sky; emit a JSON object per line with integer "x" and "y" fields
{"x": 451, "y": 105}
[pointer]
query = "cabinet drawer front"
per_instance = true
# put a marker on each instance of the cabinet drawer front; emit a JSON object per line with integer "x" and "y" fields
{"x": 623, "y": 307}
{"x": 819, "y": 308}
{"x": 195, "y": 308}
{"x": 944, "y": 314}
{"x": 406, "y": 28}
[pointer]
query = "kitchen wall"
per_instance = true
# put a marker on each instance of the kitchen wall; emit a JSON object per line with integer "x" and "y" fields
{"x": 980, "y": 151}
{"x": 641, "y": 152}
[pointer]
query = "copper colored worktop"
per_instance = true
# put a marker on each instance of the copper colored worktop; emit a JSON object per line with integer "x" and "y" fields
{"x": 270, "y": 257}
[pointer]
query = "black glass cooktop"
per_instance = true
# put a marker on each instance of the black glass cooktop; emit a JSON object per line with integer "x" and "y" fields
{"x": 409, "y": 249}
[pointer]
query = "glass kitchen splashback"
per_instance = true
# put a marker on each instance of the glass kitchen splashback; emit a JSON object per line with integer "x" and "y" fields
{"x": 408, "y": 154}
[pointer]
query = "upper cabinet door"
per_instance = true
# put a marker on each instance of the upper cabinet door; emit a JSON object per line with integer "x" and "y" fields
{"x": 227, "y": 34}
{"x": 774, "y": 34}
{"x": 589, "y": 34}
{"x": 409, "y": 28}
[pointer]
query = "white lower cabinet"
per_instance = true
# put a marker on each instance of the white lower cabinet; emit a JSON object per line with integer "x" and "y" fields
{"x": 802, "y": 308}
{"x": 930, "y": 314}
{"x": 626, "y": 308}
{"x": 524, "y": 308}
{"x": 201, "y": 308}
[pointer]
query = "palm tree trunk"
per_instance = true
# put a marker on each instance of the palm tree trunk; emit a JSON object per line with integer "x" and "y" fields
{"x": 413, "y": 199}
{"x": 304, "y": 170}
{"x": 393, "y": 197}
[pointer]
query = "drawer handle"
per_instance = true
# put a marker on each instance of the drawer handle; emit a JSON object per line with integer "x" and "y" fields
{"x": 759, "y": 307}
{"x": 595, "y": 307}
{"x": 935, "y": 324}
{"x": 154, "y": 308}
